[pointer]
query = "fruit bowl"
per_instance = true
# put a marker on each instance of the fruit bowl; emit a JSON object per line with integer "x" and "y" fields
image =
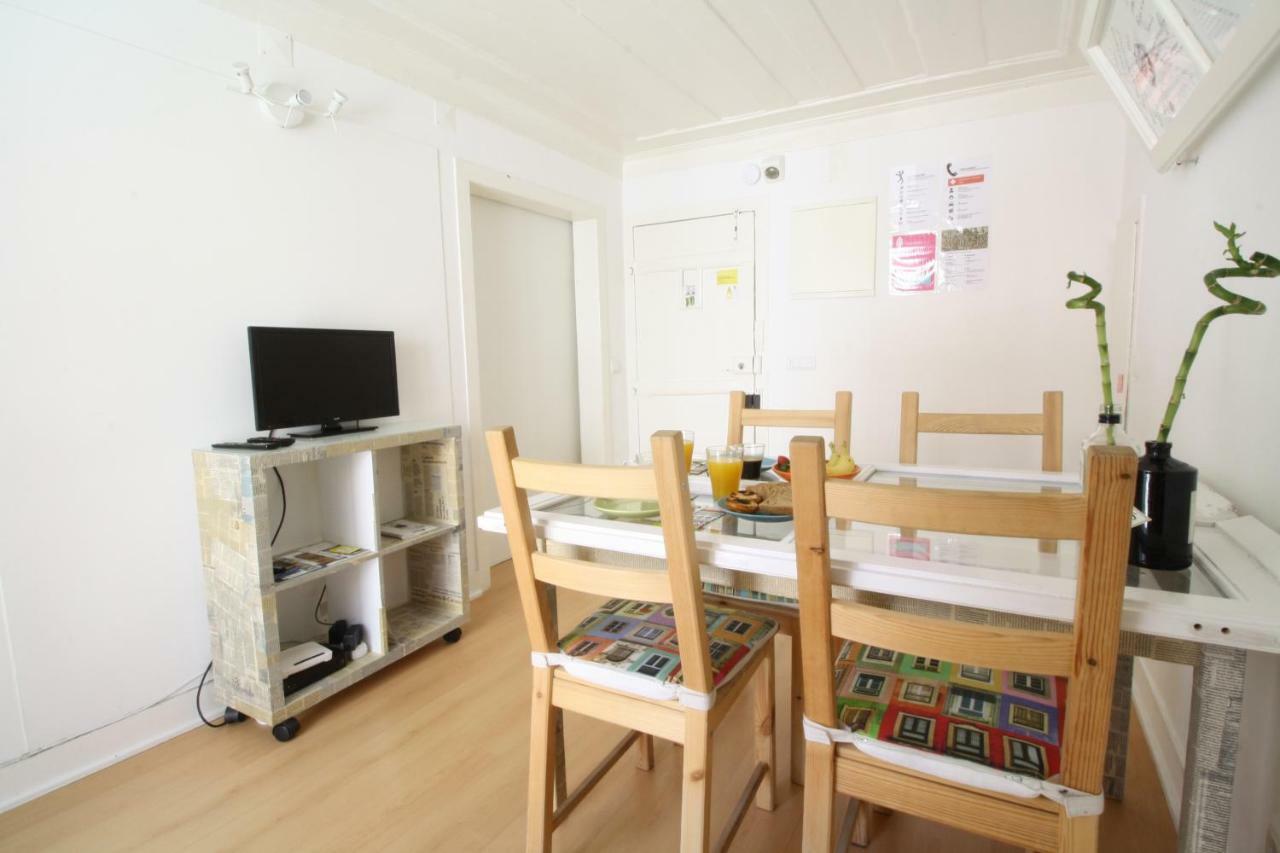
{"x": 786, "y": 475}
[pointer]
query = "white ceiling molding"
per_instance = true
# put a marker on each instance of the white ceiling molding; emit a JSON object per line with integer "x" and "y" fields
{"x": 603, "y": 79}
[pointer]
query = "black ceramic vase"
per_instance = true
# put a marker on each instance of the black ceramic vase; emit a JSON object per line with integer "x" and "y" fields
{"x": 1166, "y": 494}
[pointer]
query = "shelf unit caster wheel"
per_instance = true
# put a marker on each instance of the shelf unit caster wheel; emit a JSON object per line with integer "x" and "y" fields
{"x": 287, "y": 730}
{"x": 231, "y": 716}
{"x": 453, "y": 636}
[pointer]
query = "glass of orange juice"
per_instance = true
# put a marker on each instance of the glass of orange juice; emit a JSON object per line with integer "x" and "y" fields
{"x": 724, "y": 464}
{"x": 688, "y": 449}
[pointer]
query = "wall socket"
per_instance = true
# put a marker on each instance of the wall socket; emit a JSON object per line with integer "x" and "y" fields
{"x": 802, "y": 362}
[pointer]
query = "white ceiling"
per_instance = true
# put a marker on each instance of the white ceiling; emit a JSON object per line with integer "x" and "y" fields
{"x": 627, "y": 76}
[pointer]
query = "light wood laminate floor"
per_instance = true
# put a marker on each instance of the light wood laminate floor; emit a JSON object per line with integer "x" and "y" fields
{"x": 430, "y": 754}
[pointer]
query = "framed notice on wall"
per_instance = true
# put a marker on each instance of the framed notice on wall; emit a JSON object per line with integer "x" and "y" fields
{"x": 833, "y": 250}
{"x": 1175, "y": 65}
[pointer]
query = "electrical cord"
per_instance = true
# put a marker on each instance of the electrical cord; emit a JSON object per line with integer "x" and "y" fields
{"x": 199, "y": 710}
{"x": 320, "y": 601}
{"x": 186, "y": 685}
{"x": 284, "y": 509}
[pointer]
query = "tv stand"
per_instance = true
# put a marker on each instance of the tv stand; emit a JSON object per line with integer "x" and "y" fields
{"x": 407, "y": 593}
{"x": 332, "y": 428}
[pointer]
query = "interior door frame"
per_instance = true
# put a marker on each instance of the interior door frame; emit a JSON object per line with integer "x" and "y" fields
{"x": 659, "y": 216}
{"x": 590, "y": 277}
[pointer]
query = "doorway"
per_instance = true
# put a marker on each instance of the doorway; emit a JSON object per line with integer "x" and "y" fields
{"x": 526, "y": 325}
{"x": 695, "y": 322}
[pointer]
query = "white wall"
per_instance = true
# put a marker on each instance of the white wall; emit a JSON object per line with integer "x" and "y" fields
{"x": 1057, "y": 152}
{"x": 1225, "y": 426}
{"x": 148, "y": 216}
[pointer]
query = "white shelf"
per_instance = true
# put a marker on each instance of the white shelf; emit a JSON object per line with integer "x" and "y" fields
{"x": 390, "y": 544}
{"x": 411, "y": 626}
{"x": 320, "y": 572}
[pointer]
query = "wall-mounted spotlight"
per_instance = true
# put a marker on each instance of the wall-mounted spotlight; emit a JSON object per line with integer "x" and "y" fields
{"x": 286, "y": 106}
{"x": 242, "y": 77}
{"x": 336, "y": 100}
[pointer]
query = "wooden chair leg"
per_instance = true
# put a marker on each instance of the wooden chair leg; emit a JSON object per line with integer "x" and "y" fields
{"x": 644, "y": 751}
{"x": 695, "y": 801}
{"x": 766, "y": 744}
{"x": 541, "y": 765}
{"x": 782, "y": 717}
{"x": 557, "y": 752}
{"x": 860, "y": 832}
{"x": 819, "y": 795}
{"x": 798, "y": 743}
{"x": 855, "y": 826}
{"x": 1079, "y": 835}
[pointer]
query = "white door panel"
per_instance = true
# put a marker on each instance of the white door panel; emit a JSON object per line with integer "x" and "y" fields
{"x": 694, "y": 309}
{"x": 527, "y": 340}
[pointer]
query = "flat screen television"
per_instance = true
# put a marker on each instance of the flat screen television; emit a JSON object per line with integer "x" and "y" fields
{"x": 322, "y": 376}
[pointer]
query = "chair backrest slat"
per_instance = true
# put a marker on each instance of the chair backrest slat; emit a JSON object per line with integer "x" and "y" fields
{"x": 595, "y": 579}
{"x": 1087, "y": 656}
{"x": 839, "y": 419}
{"x": 599, "y": 481}
{"x": 1046, "y": 423}
{"x": 666, "y": 482}
{"x": 1040, "y": 652}
{"x": 1024, "y": 515}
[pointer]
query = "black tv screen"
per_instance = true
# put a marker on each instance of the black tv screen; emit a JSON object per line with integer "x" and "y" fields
{"x": 321, "y": 376}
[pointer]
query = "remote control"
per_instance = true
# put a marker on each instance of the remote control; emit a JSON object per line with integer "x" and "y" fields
{"x": 274, "y": 444}
{"x": 283, "y": 441}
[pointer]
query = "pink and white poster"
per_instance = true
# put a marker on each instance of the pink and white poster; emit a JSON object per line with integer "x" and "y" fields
{"x": 913, "y": 262}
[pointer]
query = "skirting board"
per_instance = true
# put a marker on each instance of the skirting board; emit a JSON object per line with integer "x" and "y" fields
{"x": 61, "y": 765}
{"x": 1168, "y": 746}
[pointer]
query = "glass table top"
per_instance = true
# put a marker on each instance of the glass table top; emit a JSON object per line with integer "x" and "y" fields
{"x": 1027, "y": 556}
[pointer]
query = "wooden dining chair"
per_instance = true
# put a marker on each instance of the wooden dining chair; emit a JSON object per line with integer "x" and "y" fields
{"x": 839, "y": 419}
{"x": 1047, "y": 423}
{"x": 622, "y": 663}
{"x": 998, "y": 731}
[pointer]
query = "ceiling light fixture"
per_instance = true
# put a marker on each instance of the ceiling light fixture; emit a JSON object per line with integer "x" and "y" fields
{"x": 284, "y": 105}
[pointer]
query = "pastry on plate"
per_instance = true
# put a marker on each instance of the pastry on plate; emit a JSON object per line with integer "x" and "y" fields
{"x": 775, "y": 498}
{"x": 745, "y": 501}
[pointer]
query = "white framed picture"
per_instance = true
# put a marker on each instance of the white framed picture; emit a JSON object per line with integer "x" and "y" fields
{"x": 833, "y": 249}
{"x": 1176, "y": 64}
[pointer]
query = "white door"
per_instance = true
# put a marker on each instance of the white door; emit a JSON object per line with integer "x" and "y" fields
{"x": 527, "y": 332}
{"x": 694, "y": 310}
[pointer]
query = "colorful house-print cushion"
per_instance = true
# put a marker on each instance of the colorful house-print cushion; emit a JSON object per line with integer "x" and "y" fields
{"x": 633, "y": 645}
{"x": 1007, "y": 720}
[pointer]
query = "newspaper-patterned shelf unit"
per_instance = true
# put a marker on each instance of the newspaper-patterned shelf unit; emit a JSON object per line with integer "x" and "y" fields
{"x": 340, "y": 489}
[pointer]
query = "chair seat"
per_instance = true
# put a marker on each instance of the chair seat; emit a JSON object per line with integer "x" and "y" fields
{"x": 632, "y": 646}
{"x": 1002, "y": 719}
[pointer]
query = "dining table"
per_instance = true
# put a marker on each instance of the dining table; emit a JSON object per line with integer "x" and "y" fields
{"x": 1207, "y": 617}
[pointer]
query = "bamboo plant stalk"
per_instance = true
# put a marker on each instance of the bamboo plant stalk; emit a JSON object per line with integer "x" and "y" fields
{"x": 1259, "y": 265}
{"x": 1089, "y": 300}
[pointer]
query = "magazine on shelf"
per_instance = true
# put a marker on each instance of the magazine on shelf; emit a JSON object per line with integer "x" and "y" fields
{"x": 312, "y": 557}
{"x": 407, "y": 528}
